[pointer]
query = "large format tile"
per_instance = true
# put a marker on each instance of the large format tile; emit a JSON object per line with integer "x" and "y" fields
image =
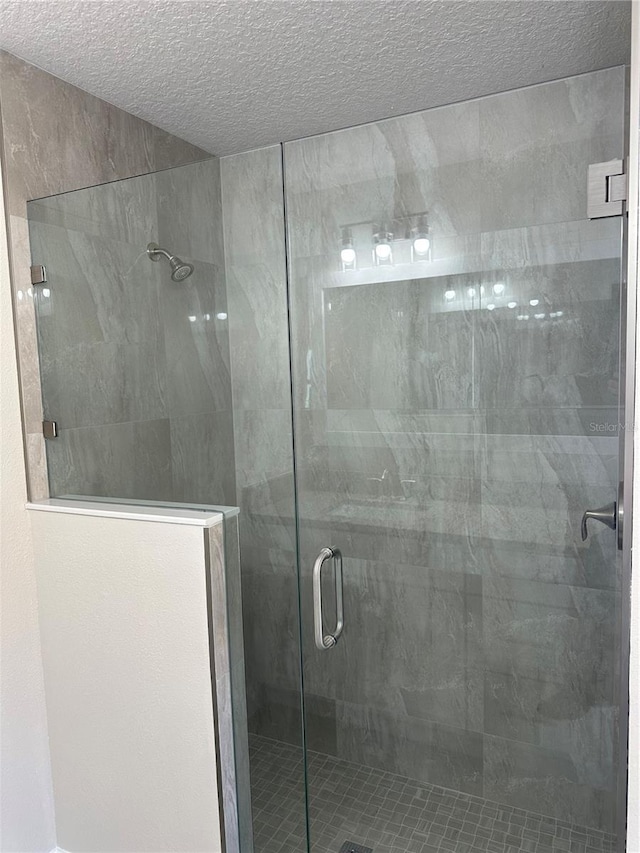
{"x": 416, "y": 630}
{"x": 121, "y": 145}
{"x": 551, "y": 631}
{"x": 545, "y": 136}
{"x": 189, "y": 212}
{"x": 196, "y": 341}
{"x": 125, "y": 460}
{"x": 98, "y": 290}
{"x": 545, "y": 781}
{"x": 202, "y": 458}
{"x": 429, "y": 752}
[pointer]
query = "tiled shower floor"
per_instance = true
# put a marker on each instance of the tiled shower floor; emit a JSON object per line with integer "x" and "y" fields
{"x": 390, "y": 813}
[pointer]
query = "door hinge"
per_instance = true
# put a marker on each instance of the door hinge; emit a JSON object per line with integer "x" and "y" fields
{"x": 50, "y": 429}
{"x": 606, "y": 189}
{"x": 38, "y": 274}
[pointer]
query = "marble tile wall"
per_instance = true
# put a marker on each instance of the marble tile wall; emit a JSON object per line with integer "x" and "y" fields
{"x": 64, "y": 140}
{"x": 480, "y": 647}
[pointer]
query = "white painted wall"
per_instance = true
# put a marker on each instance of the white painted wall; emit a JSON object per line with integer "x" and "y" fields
{"x": 26, "y": 798}
{"x": 125, "y": 647}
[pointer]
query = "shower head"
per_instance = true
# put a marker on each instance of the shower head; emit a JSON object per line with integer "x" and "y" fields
{"x": 179, "y": 269}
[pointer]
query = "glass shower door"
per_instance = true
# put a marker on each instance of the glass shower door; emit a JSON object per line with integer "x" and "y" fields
{"x": 455, "y": 347}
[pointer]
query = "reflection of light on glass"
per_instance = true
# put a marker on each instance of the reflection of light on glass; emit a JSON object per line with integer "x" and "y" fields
{"x": 30, "y": 292}
{"x": 490, "y": 306}
{"x": 192, "y": 318}
{"x": 482, "y": 290}
{"x": 559, "y": 313}
{"x": 471, "y": 292}
{"x": 46, "y": 292}
{"x": 539, "y": 316}
{"x": 534, "y": 302}
{"x": 522, "y": 317}
{"x": 207, "y": 316}
{"x": 498, "y": 288}
{"x": 20, "y": 295}
{"x": 449, "y": 295}
{"x": 221, "y": 315}
{"x": 511, "y": 304}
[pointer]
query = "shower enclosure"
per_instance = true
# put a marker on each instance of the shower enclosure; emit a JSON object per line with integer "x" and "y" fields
{"x": 398, "y": 352}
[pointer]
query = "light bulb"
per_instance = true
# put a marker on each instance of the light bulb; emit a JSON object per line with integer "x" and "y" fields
{"x": 534, "y": 302}
{"x": 46, "y": 292}
{"x": 511, "y": 304}
{"x": 382, "y": 253}
{"x": 449, "y": 295}
{"x": 192, "y": 318}
{"x": 347, "y": 251}
{"x": 539, "y": 316}
{"x": 421, "y": 245}
{"x": 498, "y": 288}
{"x": 559, "y": 313}
{"x": 347, "y": 255}
{"x": 490, "y": 306}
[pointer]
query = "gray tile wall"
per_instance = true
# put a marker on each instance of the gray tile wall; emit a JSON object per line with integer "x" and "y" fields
{"x": 479, "y": 651}
{"x": 253, "y": 218}
{"x": 56, "y": 138}
{"x": 134, "y": 366}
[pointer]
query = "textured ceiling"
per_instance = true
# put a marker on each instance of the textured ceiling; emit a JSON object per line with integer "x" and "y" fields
{"x": 229, "y": 75}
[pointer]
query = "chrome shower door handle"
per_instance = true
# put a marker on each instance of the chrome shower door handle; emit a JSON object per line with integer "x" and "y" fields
{"x": 326, "y": 641}
{"x": 605, "y": 514}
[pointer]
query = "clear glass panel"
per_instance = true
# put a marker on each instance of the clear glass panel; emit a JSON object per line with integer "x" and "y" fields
{"x": 455, "y": 411}
{"x": 140, "y": 371}
{"x": 135, "y": 366}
